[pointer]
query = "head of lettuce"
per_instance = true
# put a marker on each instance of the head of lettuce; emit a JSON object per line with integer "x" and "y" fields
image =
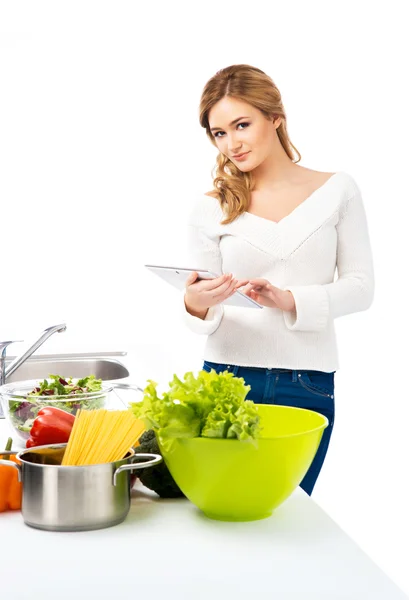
{"x": 211, "y": 405}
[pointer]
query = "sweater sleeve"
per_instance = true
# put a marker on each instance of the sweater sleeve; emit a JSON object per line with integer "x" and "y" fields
{"x": 203, "y": 253}
{"x": 353, "y": 290}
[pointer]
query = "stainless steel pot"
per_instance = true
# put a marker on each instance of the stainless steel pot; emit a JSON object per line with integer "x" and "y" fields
{"x": 68, "y": 498}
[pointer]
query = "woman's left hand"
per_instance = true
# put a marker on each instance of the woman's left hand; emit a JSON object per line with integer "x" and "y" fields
{"x": 263, "y": 292}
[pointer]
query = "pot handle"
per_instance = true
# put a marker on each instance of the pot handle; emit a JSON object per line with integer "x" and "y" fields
{"x": 126, "y": 386}
{"x": 9, "y": 463}
{"x": 156, "y": 459}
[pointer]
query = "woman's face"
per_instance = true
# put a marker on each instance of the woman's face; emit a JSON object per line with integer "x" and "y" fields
{"x": 252, "y": 133}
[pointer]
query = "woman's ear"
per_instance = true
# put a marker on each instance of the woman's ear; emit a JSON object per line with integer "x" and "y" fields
{"x": 277, "y": 122}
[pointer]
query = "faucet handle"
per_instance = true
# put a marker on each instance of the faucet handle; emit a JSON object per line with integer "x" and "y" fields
{"x": 3, "y": 346}
{"x": 3, "y": 349}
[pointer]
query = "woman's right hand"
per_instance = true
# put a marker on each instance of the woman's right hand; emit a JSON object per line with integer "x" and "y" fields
{"x": 205, "y": 293}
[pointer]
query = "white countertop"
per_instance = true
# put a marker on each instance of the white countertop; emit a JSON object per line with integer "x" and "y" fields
{"x": 166, "y": 549}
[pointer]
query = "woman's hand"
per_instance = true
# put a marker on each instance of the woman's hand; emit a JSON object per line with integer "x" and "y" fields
{"x": 263, "y": 292}
{"x": 203, "y": 294}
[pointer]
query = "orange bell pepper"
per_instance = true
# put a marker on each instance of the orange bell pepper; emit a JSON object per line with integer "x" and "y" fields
{"x": 10, "y": 486}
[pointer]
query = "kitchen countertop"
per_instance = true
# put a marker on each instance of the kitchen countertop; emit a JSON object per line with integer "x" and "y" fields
{"x": 169, "y": 549}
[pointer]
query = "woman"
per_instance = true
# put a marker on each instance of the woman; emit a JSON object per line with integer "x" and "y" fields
{"x": 278, "y": 231}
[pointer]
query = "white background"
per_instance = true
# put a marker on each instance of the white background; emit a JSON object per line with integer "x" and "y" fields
{"x": 101, "y": 154}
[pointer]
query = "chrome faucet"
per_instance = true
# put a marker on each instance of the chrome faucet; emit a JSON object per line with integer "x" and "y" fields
{"x": 19, "y": 360}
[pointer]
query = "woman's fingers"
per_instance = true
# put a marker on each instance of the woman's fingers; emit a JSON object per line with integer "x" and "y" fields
{"x": 250, "y": 288}
{"x": 210, "y": 285}
{"x": 226, "y": 291}
{"x": 241, "y": 282}
{"x": 220, "y": 288}
{"x": 191, "y": 279}
{"x": 232, "y": 288}
{"x": 259, "y": 281}
{"x": 227, "y": 282}
{"x": 247, "y": 289}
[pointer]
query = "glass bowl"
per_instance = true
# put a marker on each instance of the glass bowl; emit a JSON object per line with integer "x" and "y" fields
{"x": 20, "y": 408}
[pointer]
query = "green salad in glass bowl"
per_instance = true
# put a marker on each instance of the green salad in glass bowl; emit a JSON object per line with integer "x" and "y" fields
{"x": 21, "y": 401}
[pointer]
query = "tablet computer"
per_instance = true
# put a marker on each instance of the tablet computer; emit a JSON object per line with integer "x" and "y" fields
{"x": 177, "y": 277}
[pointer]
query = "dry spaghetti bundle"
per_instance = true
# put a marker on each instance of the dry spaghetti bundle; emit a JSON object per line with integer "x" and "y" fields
{"x": 101, "y": 436}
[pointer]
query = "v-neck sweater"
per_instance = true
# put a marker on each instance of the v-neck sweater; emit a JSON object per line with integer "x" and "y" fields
{"x": 326, "y": 233}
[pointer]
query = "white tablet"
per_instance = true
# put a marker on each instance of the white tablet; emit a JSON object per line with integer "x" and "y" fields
{"x": 177, "y": 277}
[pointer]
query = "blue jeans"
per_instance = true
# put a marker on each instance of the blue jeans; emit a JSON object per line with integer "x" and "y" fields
{"x": 309, "y": 389}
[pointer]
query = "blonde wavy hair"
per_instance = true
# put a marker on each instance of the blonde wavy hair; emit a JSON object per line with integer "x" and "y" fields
{"x": 232, "y": 187}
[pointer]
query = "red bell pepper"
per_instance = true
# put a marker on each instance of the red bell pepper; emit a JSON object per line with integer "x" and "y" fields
{"x": 51, "y": 426}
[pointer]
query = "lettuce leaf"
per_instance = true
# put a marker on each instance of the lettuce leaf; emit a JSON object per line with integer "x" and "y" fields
{"x": 208, "y": 405}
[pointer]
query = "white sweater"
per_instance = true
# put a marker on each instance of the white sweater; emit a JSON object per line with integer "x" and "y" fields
{"x": 300, "y": 253}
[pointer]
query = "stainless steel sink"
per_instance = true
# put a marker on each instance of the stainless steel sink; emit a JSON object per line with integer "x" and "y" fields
{"x": 107, "y": 369}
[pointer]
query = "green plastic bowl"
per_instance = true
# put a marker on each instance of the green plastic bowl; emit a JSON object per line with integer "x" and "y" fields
{"x": 231, "y": 480}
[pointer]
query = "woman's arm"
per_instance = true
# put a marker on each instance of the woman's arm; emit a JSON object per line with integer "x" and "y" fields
{"x": 203, "y": 253}
{"x": 354, "y": 289}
